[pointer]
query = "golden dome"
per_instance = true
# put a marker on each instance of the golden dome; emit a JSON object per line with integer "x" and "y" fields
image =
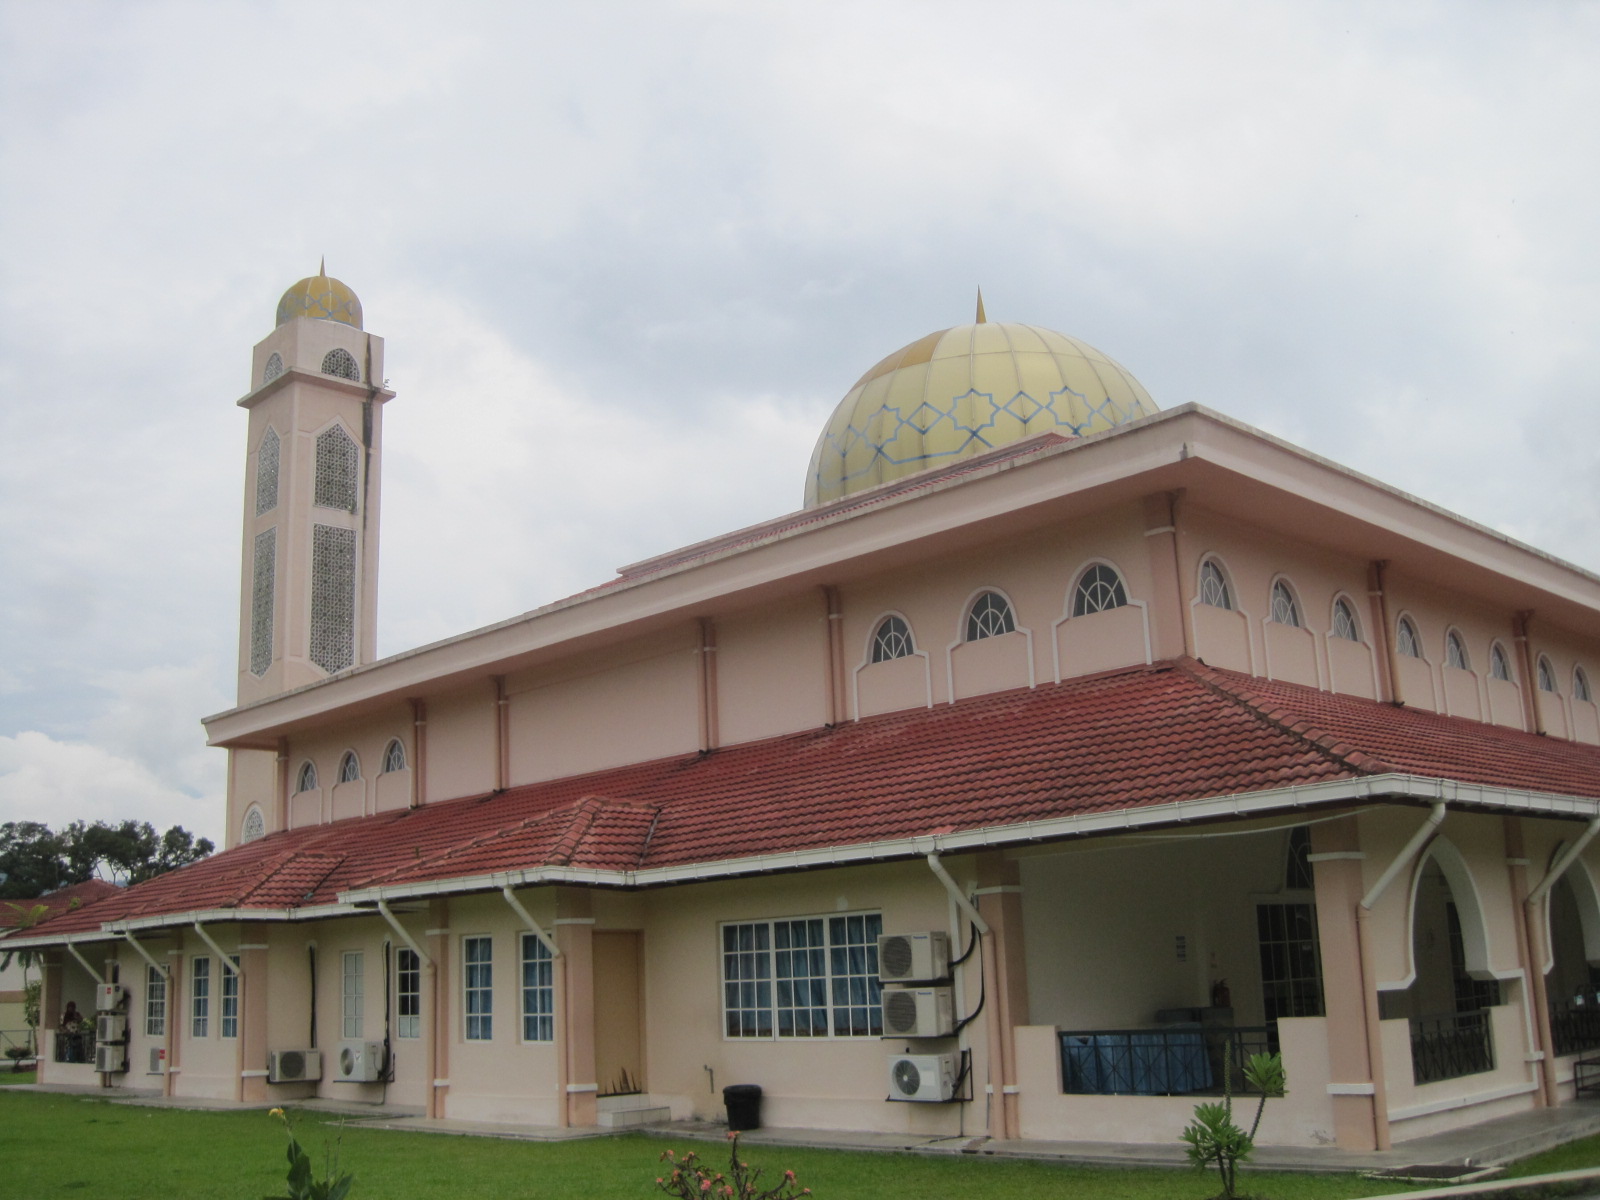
{"x": 320, "y": 297}
{"x": 965, "y": 391}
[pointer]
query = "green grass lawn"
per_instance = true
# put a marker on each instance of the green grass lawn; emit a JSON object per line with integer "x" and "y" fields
{"x": 10, "y": 1078}
{"x": 68, "y": 1145}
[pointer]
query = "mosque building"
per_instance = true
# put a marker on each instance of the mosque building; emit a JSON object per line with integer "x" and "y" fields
{"x": 1058, "y": 753}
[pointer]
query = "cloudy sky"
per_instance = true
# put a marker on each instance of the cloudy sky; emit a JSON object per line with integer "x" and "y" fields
{"x": 628, "y": 256}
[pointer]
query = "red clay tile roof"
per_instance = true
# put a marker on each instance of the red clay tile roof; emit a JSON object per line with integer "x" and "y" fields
{"x": 71, "y": 898}
{"x": 1167, "y": 733}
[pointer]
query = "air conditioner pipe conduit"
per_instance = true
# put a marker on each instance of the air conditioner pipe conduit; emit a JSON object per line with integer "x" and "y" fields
{"x": 1536, "y": 932}
{"x": 1369, "y": 990}
{"x": 1005, "y": 1126}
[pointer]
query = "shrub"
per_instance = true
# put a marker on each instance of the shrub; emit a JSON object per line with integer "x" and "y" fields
{"x": 302, "y": 1184}
{"x": 689, "y": 1179}
{"x": 1212, "y": 1135}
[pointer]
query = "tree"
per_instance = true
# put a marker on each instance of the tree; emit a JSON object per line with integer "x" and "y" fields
{"x": 34, "y": 861}
{"x": 19, "y": 918}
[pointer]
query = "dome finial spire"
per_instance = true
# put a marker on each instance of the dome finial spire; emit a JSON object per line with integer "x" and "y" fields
{"x": 982, "y": 320}
{"x": 322, "y": 267}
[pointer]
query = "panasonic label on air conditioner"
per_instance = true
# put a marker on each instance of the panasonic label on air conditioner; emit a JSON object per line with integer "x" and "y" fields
{"x": 929, "y": 1078}
{"x": 917, "y": 1012}
{"x": 294, "y": 1066}
{"x": 913, "y": 957}
{"x": 359, "y": 1062}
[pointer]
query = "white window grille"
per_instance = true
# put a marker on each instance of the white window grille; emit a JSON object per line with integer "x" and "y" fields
{"x": 538, "y": 991}
{"x": 1455, "y": 652}
{"x": 273, "y": 369}
{"x": 1547, "y": 675}
{"x": 1499, "y": 663}
{"x": 1344, "y": 621}
{"x": 155, "y": 1002}
{"x": 394, "y": 756}
{"x": 1099, "y": 589}
{"x": 1214, "y": 586}
{"x": 892, "y": 640}
{"x": 1285, "y": 608}
{"x": 1580, "y": 686}
{"x": 477, "y": 980}
{"x": 353, "y": 992}
{"x": 267, "y": 456}
{"x": 338, "y": 464}
{"x": 341, "y": 363}
{"x": 333, "y": 597}
{"x": 349, "y": 767}
{"x": 1407, "y": 642}
{"x": 803, "y": 977}
{"x": 306, "y": 781}
{"x": 230, "y": 999}
{"x": 200, "y": 998}
{"x": 263, "y": 585}
{"x": 989, "y": 616}
{"x": 408, "y": 993}
{"x": 255, "y": 826}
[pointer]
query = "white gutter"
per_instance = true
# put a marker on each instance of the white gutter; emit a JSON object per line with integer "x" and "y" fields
{"x": 1407, "y": 853}
{"x": 1559, "y": 867}
{"x": 227, "y": 963}
{"x": 161, "y": 969}
{"x": 527, "y": 919}
{"x": 93, "y": 974}
{"x": 403, "y": 934}
{"x": 956, "y": 894}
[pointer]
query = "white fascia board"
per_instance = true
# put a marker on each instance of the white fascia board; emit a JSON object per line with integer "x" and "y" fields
{"x": 113, "y": 930}
{"x": 1420, "y": 789}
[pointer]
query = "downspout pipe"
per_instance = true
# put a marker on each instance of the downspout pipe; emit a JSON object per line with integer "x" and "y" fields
{"x": 84, "y": 963}
{"x": 956, "y": 894}
{"x": 403, "y": 934}
{"x": 145, "y": 954}
{"x": 227, "y": 962}
{"x": 999, "y": 1125}
{"x": 527, "y": 919}
{"x": 1369, "y": 991}
{"x": 1559, "y": 867}
{"x": 1538, "y": 954}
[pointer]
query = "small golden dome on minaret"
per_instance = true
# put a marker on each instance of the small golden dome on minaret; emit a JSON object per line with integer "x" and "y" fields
{"x": 322, "y": 298}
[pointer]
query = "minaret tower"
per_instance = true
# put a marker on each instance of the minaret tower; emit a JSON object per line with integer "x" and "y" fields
{"x": 308, "y": 608}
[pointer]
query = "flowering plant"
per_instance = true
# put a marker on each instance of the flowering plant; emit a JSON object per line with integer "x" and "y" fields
{"x": 302, "y": 1186}
{"x": 689, "y": 1179}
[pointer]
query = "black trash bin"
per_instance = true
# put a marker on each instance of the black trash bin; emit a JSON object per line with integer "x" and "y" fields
{"x": 743, "y": 1102}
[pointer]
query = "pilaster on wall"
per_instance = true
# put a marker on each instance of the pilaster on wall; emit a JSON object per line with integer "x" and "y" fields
{"x": 574, "y": 935}
{"x": 1360, "y": 1117}
{"x": 1000, "y": 905}
{"x": 438, "y": 935}
{"x": 49, "y": 1011}
{"x": 254, "y": 1003}
{"x": 1167, "y": 602}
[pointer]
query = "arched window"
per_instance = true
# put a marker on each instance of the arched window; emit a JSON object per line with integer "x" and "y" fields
{"x": 989, "y": 616}
{"x": 1214, "y": 586}
{"x": 1455, "y": 652}
{"x": 1099, "y": 588}
{"x": 337, "y": 463}
{"x": 349, "y": 767}
{"x": 1580, "y": 685}
{"x": 306, "y": 781}
{"x": 273, "y": 369}
{"x": 1547, "y": 675}
{"x": 339, "y": 362}
{"x": 892, "y": 640}
{"x": 1499, "y": 664}
{"x": 254, "y": 827}
{"x": 267, "y": 472}
{"x": 1344, "y": 621}
{"x": 394, "y": 756}
{"x": 1285, "y": 608}
{"x": 1406, "y": 641}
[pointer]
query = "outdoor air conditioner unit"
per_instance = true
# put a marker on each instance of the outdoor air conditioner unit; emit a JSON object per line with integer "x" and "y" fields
{"x": 294, "y": 1066}
{"x": 926, "y": 1077}
{"x": 109, "y": 996}
{"x": 111, "y": 1027}
{"x": 110, "y": 1060}
{"x": 913, "y": 957}
{"x": 158, "y": 1060}
{"x": 360, "y": 1062}
{"x": 918, "y": 1012}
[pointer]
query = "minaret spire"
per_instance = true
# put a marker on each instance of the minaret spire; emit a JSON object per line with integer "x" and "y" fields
{"x": 322, "y": 267}
{"x": 982, "y": 320}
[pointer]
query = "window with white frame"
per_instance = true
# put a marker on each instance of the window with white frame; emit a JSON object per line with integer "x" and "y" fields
{"x": 477, "y": 981}
{"x": 200, "y": 998}
{"x": 1285, "y": 608}
{"x": 230, "y": 998}
{"x": 892, "y": 640}
{"x": 349, "y": 767}
{"x": 1214, "y": 589}
{"x": 1344, "y": 621}
{"x": 1580, "y": 685}
{"x": 1455, "y": 652}
{"x": 394, "y": 756}
{"x": 1099, "y": 589}
{"x": 408, "y": 993}
{"x": 353, "y": 992}
{"x": 802, "y": 977}
{"x": 155, "y": 1002}
{"x": 1547, "y": 675}
{"x": 1406, "y": 641}
{"x": 306, "y": 781}
{"x": 538, "y": 991}
{"x": 989, "y": 616}
{"x": 1499, "y": 663}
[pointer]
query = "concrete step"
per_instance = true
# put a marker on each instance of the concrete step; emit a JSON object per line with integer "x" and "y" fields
{"x": 631, "y": 1118}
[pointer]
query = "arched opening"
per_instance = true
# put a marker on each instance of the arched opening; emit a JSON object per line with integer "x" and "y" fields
{"x": 1572, "y": 982}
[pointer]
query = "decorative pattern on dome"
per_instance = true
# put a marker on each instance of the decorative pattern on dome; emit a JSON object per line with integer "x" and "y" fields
{"x": 322, "y": 298}
{"x": 965, "y": 391}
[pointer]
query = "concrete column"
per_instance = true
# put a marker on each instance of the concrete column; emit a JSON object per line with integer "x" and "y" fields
{"x": 255, "y": 1000}
{"x": 177, "y": 1017}
{"x": 442, "y": 1023}
{"x": 574, "y": 935}
{"x": 1000, "y": 904}
{"x": 1360, "y": 1118}
{"x": 1168, "y": 602}
{"x": 50, "y": 1006}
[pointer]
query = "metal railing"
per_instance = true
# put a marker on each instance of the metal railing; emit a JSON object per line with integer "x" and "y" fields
{"x": 1450, "y": 1046}
{"x": 1574, "y": 1028}
{"x": 1177, "y": 1061}
{"x": 75, "y": 1047}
